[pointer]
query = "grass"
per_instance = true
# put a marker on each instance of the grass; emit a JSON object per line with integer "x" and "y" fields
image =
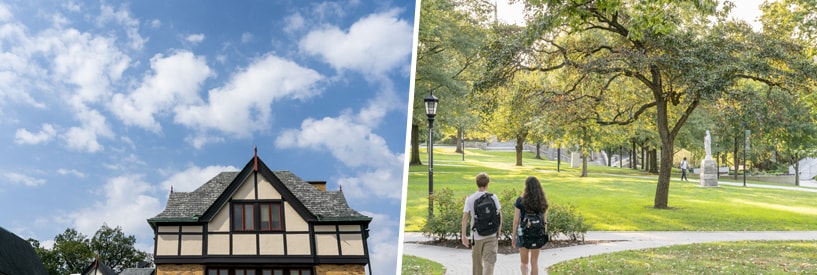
{"x": 745, "y": 257}
{"x": 417, "y": 265}
{"x": 615, "y": 199}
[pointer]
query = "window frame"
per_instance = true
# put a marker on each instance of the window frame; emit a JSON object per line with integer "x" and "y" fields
{"x": 256, "y": 208}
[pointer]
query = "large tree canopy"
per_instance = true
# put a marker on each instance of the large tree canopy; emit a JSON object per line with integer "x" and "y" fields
{"x": 656, "y": 60}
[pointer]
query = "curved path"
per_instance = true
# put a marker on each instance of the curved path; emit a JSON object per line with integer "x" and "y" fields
{"x": 458, "y": 261}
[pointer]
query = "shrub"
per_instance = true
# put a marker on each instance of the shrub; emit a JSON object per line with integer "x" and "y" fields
{"x": 507, "y": 198}
{"x": 447, "y": 220}
{"x": 566, "y": 221}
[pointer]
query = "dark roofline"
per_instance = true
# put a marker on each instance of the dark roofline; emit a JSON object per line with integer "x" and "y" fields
{"x": 245, "y": 174}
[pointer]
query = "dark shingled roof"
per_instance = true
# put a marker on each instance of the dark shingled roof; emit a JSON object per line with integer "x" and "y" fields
{"x": 17, "y": 256}
{"x": 324, "y": 205}
{"x": 138, "y": 271}
{"x": 97, "y": 267}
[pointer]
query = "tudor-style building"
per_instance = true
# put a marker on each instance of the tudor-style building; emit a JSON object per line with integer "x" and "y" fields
{"x": 260, "y": 222}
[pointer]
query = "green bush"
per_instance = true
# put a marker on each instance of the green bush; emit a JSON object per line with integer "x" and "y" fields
{"x": 566, "y": 221}
{"x": 507, "y": 198}
{"x": 447, "y": 220}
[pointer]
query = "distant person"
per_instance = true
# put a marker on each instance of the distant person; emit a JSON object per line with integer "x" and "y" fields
{"x": 486, "y": 223}
{"x": 684, "y": 166}
{"x": 530, "y": 225}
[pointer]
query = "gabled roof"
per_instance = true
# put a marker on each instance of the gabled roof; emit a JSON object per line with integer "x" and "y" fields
{"x": 201, "y": 204}
{"x": 97, "y": 267}
{"x": 17, "y": 256}
{"x": 138, "y": 271}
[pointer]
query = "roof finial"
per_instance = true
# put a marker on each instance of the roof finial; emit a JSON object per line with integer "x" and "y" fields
{"x": 255, "y": 159}
{"x": 171, "y": 189}
{"x": 341, "y": 187}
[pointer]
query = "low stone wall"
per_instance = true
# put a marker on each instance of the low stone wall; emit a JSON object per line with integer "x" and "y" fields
{"x": 776, "y": 179}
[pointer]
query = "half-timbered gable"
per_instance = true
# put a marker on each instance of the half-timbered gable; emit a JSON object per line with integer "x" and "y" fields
{"x": 259, "y": 221}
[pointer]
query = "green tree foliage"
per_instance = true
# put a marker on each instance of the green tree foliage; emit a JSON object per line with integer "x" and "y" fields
{"x": 657, "y": 60}
{"x": 73, "y": 251}
{"x": 450, "y": 35}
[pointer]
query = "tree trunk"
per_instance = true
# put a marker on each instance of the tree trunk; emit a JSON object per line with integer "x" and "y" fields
{"x": 654, "y": 161}
{"x": 559, "y": 159}
{"x": 736, "y": 158}
{"x": 585, "y": 156}
{"x": 458, "y": 140}
{"x": 796, "y": 171}
{"x": 610, "y": 159}
{"x": 538, "y": 149}
{"x": 643, "y": 156}
{"x": 520, "y": 142}
{"x": 633, "y": 157}
{"x": 415, "y": 145}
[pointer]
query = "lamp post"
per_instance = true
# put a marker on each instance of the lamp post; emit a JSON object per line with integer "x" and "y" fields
{"x": 431, "y": 111}
{"x": 745, "y": 146}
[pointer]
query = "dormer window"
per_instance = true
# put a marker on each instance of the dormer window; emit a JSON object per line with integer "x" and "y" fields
{"x": 255, "y": 216}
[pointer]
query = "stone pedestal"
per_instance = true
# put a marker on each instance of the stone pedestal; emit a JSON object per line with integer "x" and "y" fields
{"x": 709, "y": 173}
{"x": 575, "y": 160}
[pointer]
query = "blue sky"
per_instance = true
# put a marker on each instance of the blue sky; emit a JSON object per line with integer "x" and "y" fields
{"x": 104, "y": 105}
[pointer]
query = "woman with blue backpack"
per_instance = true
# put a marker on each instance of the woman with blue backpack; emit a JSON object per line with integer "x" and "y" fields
{"x": 530, "y": 225}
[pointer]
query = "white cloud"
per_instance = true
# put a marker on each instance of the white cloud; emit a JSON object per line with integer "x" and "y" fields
{"x": 72, "y": 6}
{"x": 124, "y": 18}
{"x": 246, "y": 37}
{"x": 351, "y": 140}
{"x": 175, "y": 80}
{"x": 85, "y": 138}
{"x": 382, "y": 243}
{"x": 373, "y": 45}
{"x": 294, "y": 22}
{"x": 195, "y": 39}
{"x": 190, "y": 179}
{"x": 5, "y": 13}
{"x": 47, "y": 133}
{"x": 243, "y": 105}
{"x": 23, "y": 179}
{"x": 155, "y": 23}
{"x": 77, "y": 173}
{"x": 123, "y": 201}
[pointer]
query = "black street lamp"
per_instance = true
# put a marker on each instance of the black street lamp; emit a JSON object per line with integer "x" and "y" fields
{"x": 431, "y": 111}
{"x": 745, "y": 146}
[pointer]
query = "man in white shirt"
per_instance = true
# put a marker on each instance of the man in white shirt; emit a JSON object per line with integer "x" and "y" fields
{"x": 483, "y": 254}
{"x": 684, "y": 165}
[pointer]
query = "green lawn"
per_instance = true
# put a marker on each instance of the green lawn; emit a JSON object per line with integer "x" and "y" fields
{"x": 745, "y": 257}
{"x": 417, "y": 265}
{"x": 618, "y": 199}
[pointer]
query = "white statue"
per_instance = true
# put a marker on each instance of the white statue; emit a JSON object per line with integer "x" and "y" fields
{"x": 707, "y": 146}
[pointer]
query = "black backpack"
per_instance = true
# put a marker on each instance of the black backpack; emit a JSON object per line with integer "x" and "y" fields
{"x": 534, "y": 234}
{"x": 487, "y": 220}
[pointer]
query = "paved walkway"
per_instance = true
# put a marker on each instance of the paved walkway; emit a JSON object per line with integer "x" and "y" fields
{"x": 458, "y": 261}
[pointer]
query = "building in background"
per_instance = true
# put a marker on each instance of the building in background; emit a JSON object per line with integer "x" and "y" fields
{"x": 260, "y": 222}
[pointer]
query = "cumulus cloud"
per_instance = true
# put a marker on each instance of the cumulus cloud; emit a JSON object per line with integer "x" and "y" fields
{"x": 294, "y": 22}
{"x": 84, "y": 138}
{"x": 47, "y": 133}
{"x": 246, "y": 37}
{"x": 351, "y": 140}
{"x": 373, "y": 45}
{"x": 123, "y": 17}
{"x": 108, "y": 207}
{"x": 243, "y": 105}
{"x": 190, "y": 179}
{"x": 74, "y": 172}
{"x": 176, "y": 79}
{"x": 195, "y": 39}
{"x": 382, "y": 243}
{"x": 18, "y": 178}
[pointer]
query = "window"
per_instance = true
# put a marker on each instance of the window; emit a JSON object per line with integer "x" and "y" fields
{"x": 264, "y": 216}
{"x": 270, "y": 216}
{"x": 243, "y": 217}
{"x": 263, "y": 271}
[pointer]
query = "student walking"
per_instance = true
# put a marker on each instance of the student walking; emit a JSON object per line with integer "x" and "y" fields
{"x": 530, "y": 225}
{"x": 486, "y": 223}
{"x": 684, "y": 166}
